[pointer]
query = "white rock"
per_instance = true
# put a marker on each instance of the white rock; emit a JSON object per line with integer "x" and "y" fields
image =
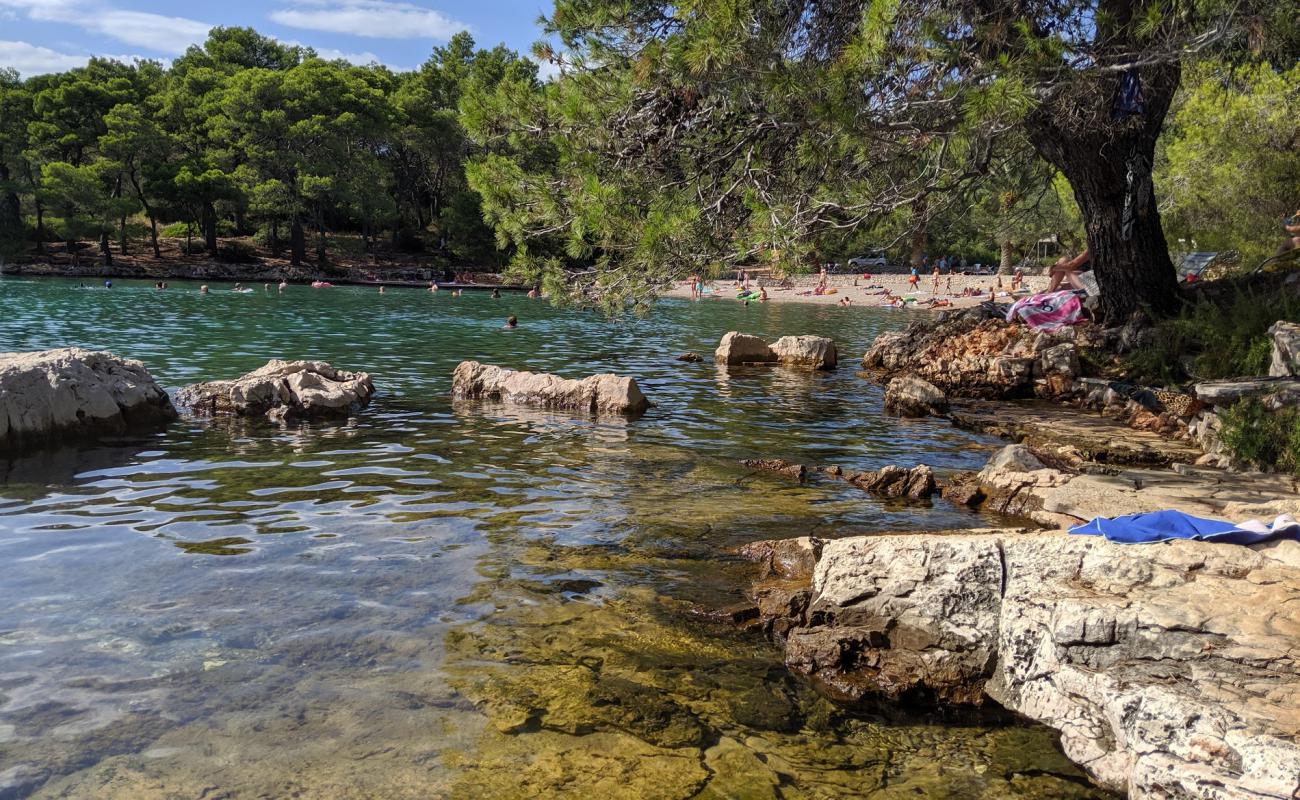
{"x": 816, "y": 352}
{"x": 49, "y": 394}
{"x": 1286, "y": 349}
{"x": 287, "y": 388}
{"x": 1015, "y": 458}
{"x": 909, "y": 396}
{"x": 742, "y": 348}
{"x": 609, "y": 394}
{"x": 1169, "y": 669}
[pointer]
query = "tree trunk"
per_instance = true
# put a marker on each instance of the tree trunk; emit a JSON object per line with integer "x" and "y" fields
{"x": 103, "y": 248}
{"x": 11, "y": 218}
{"x": 210, "y": 227}
{"x": 320, "y": 235}
{"x": 275, "y": 238}
{"x": 1007, "y": 262}
{"x": 1108, "y": 164}
{"x": 919, "y": 234}
{"x": 297, "y": 243}
{"x": 148, "y": 210}
{"x": 40, "y": 229}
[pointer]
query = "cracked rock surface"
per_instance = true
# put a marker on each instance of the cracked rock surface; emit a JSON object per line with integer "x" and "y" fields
{"x": 1170, "y": 670}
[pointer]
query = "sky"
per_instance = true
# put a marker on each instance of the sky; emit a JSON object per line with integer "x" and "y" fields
{"x": 39, "y": 36}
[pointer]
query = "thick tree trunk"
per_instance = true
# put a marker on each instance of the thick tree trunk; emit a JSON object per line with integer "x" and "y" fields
{"x": 104, "y": 248}
{"x": 148, "y": 210}
{"x": 297, "y": 243}
{"x": 919, "y": 234}
{"x": 40, "y": 229}
{"x": 210, "y": 227}
{"x": 1108, "y": 164}
{"x": 320, "y": 235}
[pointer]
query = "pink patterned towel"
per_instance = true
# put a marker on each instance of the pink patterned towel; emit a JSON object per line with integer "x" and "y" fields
{"x": 1048, "y": 312}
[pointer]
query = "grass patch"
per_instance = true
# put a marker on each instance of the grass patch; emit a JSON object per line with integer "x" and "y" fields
{"x": 1212, "y": 339}
{"x": 1267, "y": 440}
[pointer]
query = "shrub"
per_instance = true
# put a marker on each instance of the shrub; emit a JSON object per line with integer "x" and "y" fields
{"x": 237, "y": 253}
{"x": 176, "y": 230}
{"x": 1213, "y": 339}
{"x": 1267, "y": 440}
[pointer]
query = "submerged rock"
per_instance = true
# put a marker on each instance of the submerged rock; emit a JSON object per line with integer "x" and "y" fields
{"x": 1169, "y": 669}
{"x": 813, "y": 352}
{"x": 691, "y": 358}
{"x": 282, "y": 390}
{"x": 909, "y": 396}
{"x": 609, "y": 394}
{"x": 791, "y": 470}
{"x": 49, "y": 395}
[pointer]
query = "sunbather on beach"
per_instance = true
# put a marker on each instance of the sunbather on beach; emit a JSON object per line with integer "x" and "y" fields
{"x": 1067, "y": 271}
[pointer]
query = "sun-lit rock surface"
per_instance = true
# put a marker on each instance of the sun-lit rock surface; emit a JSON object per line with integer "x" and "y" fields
{"x": 75, "y": 393}
{"x": 597, "y": 394}
{"x": 282, "y": 389}
{"x": 814, "y": 352}
{"x": 1169, "y": 669}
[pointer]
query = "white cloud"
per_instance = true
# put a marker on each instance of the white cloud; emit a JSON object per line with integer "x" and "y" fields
{"x": 378, "y": 19}
{"x": 156, "y": 32}
{"x": 547, "y": 70}
{"x": 30, "y": 59}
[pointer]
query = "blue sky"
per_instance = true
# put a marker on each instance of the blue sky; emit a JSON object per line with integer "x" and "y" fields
{"x": 39, "y": 36}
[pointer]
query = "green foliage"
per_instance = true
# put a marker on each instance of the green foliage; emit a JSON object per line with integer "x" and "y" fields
{"x": 1213, "y": 339}
{"x": 1265, "y": 439}
{"x": 1231, "y": 164}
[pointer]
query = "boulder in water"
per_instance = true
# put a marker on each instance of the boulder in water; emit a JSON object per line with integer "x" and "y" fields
{"x": 816, "y": 352}
{"x": 908, "y": 396}
{"x": 282, "y": 390}
{"x": 597, "y": 394}
{"x": 49, "y": 395}
{"x": 738, "y": 348}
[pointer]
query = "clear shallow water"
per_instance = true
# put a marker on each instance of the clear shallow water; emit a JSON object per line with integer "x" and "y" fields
{"x": 432, "y": 600}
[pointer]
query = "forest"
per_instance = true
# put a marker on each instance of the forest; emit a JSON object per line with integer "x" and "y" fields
{"x": 683, "y": 138}
{"x": 247, "y": 137}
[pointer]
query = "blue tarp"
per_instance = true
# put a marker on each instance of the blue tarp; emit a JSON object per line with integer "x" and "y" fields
{"x": 1160, "y": 526}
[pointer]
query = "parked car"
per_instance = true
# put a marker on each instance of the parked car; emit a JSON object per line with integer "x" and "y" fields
{"x": 875, "y": 258}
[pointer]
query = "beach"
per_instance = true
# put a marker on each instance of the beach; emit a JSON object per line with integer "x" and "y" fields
{"x": 871, "y": 293}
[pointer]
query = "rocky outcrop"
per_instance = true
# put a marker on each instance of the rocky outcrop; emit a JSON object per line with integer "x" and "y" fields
{"x": 909, "y": 396}
{"x": 975, "y": 353}
{"x": 74, "y": 393}
{"x": 813, "y": 352}
{"x": 282, "y": 390}
{"x": 1285, "y": 360}
{"x": 892, "y": 481}
{"x": 1275, "y": 392}
{"x": 596, "y": 394}
{"x": 1168, "y": 669}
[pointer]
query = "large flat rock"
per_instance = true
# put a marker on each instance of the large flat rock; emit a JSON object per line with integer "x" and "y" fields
{"x": 1169, "y": 669}
{"x": 66, "y": 393}
{"x": 597, "y": 394}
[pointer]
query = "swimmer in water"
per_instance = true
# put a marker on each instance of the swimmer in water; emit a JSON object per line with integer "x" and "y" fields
{"x": 203, "y": 289}
{"x": 511, "y": 323}
{"x": 239, "y": 287}
{"x": 433, "y": 287}
{"x": 381, "y": 290}
{"x": 108, "y": 284}
{"x": 496, "y": 294}
{"x": 283, "y": 285}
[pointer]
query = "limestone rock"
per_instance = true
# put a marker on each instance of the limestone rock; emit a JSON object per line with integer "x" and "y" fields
{"x": 1225, "y": 393}
{"x": 742, "y": 348}
{"x": 916, "y": 483}
{"x": 910, "y": 396}
{"x": 1286, "y": 349}
{"x": 282, "y": 390}
{"x": 815, "y": 352}
{"x": 597, "y": 394}
{"x": 1061, "y": 359}
{"x": 70, "y": 392}
{"x": 791, "y": 470}
{"x": 1169, "y": 669}
{"x": 1016, "y": 458}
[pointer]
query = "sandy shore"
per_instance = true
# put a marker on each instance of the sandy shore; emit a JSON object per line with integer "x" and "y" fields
{"x": 871, "y": 293}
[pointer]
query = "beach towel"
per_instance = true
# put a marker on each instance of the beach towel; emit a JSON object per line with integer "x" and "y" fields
{"x": 1161, "y": 526}
{"x": 1049, "y": 311}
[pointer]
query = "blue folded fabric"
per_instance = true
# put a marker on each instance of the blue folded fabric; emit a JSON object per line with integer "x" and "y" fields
{"x": 1161, "y": 526}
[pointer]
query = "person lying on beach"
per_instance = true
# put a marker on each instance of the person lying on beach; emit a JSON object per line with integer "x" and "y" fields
{"x": 1067, "y": 271}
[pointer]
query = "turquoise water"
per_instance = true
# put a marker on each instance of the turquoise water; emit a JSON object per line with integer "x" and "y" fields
{"x": 438, "y": 600}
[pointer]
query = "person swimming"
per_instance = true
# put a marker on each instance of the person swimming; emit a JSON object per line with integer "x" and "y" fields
{"x": 284, "y": 284}
{"x": 381, "y": 289}
{"x": 496, "y": 294}
{"x": 203, "y": 289}
{"x": 512, "y": 322}
{"x": 433, "y": 287}
{"x": 108, "y": 284}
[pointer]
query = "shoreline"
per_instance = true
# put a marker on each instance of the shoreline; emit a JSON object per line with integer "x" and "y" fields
{"x": 870, "y": 293}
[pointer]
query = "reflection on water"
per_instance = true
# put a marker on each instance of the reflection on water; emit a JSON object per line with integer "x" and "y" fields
{"x": 432, "y": 600}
